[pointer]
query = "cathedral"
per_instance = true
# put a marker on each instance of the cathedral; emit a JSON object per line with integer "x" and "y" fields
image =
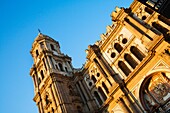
{"x": 126, "y": 71}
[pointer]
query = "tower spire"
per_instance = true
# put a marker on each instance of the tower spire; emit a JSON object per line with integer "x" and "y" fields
{"x": 39, "y": 31}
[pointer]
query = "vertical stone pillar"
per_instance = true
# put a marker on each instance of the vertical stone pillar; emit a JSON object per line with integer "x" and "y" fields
{"x": 123, "y": 106}
{"x": 82, "y": 88}
{"x": 130, "y": 104}
{"x": 52, "y": 95}
{"x": 108, "y": 69}
{"x": 40, "y": 104}
{"x": 102, "y": 71}
{"x": 50, "y": 62}
{"x": 35, "y": 80}
{"x": 46, "y": 62}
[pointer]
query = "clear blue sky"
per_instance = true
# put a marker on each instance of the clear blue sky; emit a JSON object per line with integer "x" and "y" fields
{"x": 74, "y": 23}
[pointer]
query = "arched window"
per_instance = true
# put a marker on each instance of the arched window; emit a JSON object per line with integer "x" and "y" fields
{"x": 37, "y": 53}
{"x": 66, "y": 69}
{"x": 102, "y": 93}
{"x": 98, "y": 98}
{"x": 139, "y": 55}
{"x": 160, "y": 27}
{"x": 118, "y": 47}
{"x": 105, "y": 87}
{"x": 61, "y": 66}
{"x": 42, "y": 74}
{"x": 47, "y": 100}
{"x": 93, "y": 78}
{"x": 52, "y": 110}
{"x": 52, "y": 47}
{"x": 124, "y": 68}
{"x": 131, "y": 61}
{"x": 56, "y": 66}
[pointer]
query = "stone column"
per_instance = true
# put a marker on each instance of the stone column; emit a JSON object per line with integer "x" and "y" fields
{"x": 123, "y": 106}
{"x": 102, "y": 71}
{"x": 130, "y": 104}
{"x": 52, "y": 94}
{"x": 46, "y": 62}
{"x": 50, "y": 62}
{"x": 83, "y": 89}
{"x": 40, "y": 104}
{"x": 108, "y": 69}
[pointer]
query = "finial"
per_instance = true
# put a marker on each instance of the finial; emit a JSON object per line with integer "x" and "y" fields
{"x": 39, "y": 31}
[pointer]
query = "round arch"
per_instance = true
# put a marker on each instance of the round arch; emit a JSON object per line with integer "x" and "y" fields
{"x": 154, "y": 92}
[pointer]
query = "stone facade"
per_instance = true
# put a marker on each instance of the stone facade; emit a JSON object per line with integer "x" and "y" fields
{"x": 127, "y": 70}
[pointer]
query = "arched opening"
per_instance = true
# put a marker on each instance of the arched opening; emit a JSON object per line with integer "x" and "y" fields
{"x": 98, "y": 98}
{"x": 42, "y": 74}
{"x": 47, "y": 100}
{"x": 138, "y": 54}
{"x": 52, "y": 47}
{"x": 102, "y": 93}
{"x": 118, "y": 47}
{"x": 130, "y": 60}
{"x": 155, "y": 93}
{"x": 105, "y": 87}
{"x": 60, "y": 66}
{"x": 160, "y": 28}
{"x": 56, "y": 66}
{"x": 93, "y": 78}
{"x": 124, "y": 68}
{"x": 52, "y": 110}
{"x": 37, "y": 53}
{"x": 66, "y": 69}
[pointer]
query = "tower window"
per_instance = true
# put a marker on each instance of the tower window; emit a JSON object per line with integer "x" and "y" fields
{"x": 66, "y": 69}
{"x": 131, "y": 61}
{"x": 94, "y": 79}
{"x": 102, "y": 93}
{"x": 160, "y": 28}
{"x": 42, "y": 74}
{"x": 148, "y": 10}
{"x": 52, "y": 47}
{"x": 56, "y": 66}
{"x": 118, "y": 47}
{"x": 105, "y": 87}
{"x": 98, "y": 98}
{"x": 124, "y": 68}
{"x": 37, "y": 53}
{"x": 61, "y": 66}
{"x": 47, "y": 100}
{"x": 139, "y": 55}
{"x": 52, "y": 110}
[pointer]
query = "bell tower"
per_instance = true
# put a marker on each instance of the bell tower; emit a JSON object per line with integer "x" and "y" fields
{"x": 54, "y": 89}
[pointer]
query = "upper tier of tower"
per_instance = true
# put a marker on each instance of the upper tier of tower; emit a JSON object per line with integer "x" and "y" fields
{"x": 44, "y": 43}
